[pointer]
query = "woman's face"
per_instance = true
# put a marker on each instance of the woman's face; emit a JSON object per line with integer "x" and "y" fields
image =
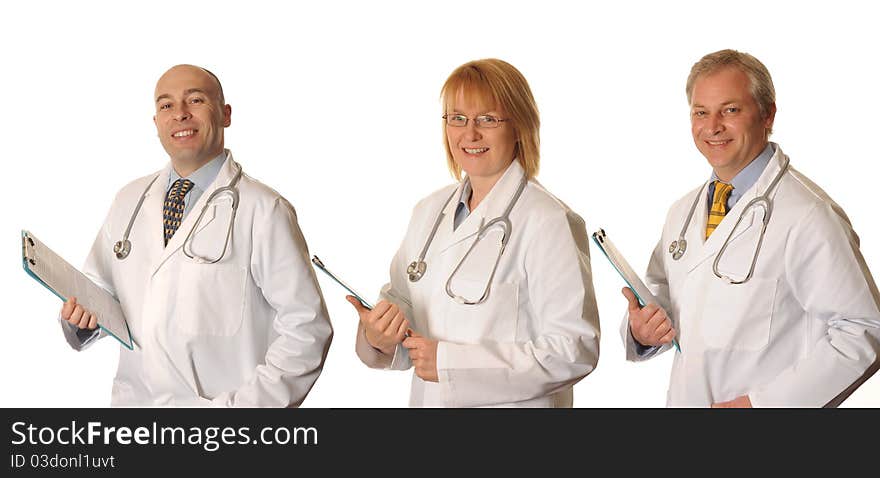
{"x": 484, "y": 153}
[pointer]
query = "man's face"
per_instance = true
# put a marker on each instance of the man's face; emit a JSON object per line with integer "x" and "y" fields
{"x": 189, "y": 116}
{"x": 726, "y": 123}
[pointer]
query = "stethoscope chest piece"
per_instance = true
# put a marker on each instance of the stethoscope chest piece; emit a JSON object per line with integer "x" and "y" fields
{"x": 416, "y": 270}
{"x": 122, "y": 248}
{"x": 678, "y": 248}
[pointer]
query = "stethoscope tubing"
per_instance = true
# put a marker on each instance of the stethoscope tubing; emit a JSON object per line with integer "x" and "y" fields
{"x": 123, "y": 248}
{"x": 678, "y": 247}
{"x": 231, "y": 189}
{"x": 418, "y": 267}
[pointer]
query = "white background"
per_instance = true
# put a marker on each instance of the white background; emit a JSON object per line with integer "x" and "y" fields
{"x": 335, "y": 105}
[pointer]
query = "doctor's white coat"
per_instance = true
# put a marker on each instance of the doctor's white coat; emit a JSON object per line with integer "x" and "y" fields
{"x": 249, "y": 330}
{"x": 535, "y": 336}
{"x": 803, "y": 331}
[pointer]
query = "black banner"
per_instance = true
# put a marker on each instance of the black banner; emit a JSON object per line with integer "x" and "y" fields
{"x": 176, "y": 442}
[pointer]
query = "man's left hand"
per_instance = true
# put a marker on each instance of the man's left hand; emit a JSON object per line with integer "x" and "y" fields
{"x": 738, "y": 402}
{"x": 423, "y": 353}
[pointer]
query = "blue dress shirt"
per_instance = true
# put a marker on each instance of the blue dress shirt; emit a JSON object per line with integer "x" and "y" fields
{"x": 745, "y": 178}
{"x": 462, "y": 211}
{"x": 201, "y": 179}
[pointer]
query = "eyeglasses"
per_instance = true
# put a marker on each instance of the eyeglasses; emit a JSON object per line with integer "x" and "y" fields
{"x": 482, "y": 121}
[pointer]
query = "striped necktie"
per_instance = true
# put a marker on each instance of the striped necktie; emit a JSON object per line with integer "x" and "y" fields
{"x": 172, "y": 213}
{"x": 719, "y": 206}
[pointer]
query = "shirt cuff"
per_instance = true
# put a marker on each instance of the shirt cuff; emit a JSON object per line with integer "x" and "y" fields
{"x": 643, "y": 350}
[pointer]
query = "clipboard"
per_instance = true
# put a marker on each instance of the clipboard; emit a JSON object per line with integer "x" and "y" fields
{"x": 54, "y": 273}
{"x": 633, "y": 281}
{"x": 320, "y": 265}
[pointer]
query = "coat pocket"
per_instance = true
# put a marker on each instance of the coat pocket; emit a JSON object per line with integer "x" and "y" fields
{"x": 494, "y": 320}
{"x": 210, "y": 299}
{"x": 738, "y": 316}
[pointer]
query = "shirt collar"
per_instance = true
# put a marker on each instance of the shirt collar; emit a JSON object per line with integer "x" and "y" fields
{"x": 204, "y": 176}
{"x": 465, "y": 196}
{"x": 750, "y": 174}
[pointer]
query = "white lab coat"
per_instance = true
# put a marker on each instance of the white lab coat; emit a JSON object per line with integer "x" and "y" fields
{"x": 250, "y": 330}
{"x": 535, "y": 336}
{"x": 803, "y": 331}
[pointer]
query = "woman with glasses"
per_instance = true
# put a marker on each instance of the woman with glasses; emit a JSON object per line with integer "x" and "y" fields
{"x": 491, "y": 298}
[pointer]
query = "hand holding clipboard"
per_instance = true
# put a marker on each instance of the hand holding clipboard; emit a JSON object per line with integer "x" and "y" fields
{"x": 320, "y": 265}
{"x": 54, "y": 273}
{"x": 633, "y": 281}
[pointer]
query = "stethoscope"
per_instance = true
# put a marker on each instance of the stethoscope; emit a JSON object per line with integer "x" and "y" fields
{"x": 416, "y": 269}
{"x": 123, "y": 248}
{"x": 679, "y": 246}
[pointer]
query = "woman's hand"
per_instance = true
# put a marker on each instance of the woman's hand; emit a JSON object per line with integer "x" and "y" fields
{"x": 385, "y": 326}
{"x": 423, "y": 353}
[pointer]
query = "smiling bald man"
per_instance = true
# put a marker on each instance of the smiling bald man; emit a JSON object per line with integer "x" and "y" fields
{"x": 213, "y": 275}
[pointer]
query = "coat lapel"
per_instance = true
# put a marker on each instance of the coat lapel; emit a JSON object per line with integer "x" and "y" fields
{"x": 444, "y": 233}
{"x": 696, "y": 231}
{"x": 152, "y": 236}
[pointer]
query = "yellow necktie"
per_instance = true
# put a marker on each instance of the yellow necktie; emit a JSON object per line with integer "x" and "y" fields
{"x": 719, "y": 206}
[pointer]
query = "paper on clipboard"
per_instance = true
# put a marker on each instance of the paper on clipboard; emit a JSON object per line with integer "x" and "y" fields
{"x": 633, "y": 281}
{"x": 63, "y": 280}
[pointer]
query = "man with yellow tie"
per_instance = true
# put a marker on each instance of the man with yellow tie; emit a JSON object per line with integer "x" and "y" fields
{"x": 758, "y": 273}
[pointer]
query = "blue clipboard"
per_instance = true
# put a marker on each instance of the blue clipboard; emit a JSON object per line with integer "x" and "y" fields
{"x": 632, "y": 280}
{"x": 55, "y": 274}
{"x": 320, "y": 265}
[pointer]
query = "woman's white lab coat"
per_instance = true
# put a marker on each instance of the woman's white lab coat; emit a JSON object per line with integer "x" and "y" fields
{"x": 250, "y": 330}
{"x": 535, "y": 336}
{"x": 803, "y": 331}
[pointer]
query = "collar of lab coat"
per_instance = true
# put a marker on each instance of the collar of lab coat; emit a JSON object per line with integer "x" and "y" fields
{"x": 711, "y": 246}
{"x": 157, "y": 196}
{"x": 492, "y": 206}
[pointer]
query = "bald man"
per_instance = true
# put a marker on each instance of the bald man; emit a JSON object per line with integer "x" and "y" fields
{"x": 214, "y": 276}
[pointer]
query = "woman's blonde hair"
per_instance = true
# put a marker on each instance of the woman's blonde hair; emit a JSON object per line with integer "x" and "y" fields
{"x": 496, "y": 83}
